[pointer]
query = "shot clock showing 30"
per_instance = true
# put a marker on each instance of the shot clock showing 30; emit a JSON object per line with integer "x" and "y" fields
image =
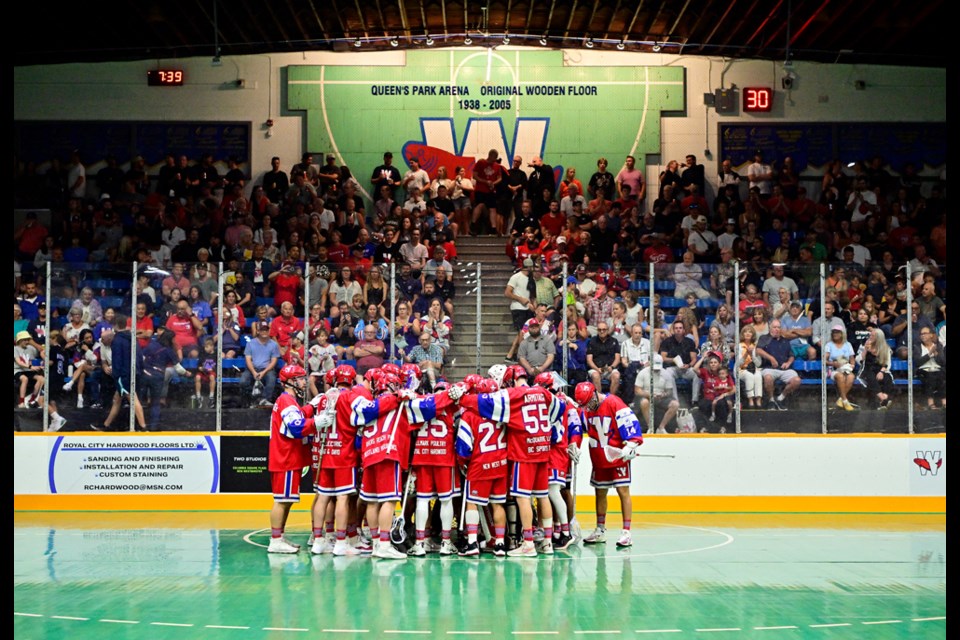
{"x": 165, "y": 78}
{"x": 757, "y": 99}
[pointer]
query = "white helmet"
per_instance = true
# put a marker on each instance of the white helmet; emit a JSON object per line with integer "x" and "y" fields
{"x": 496, "y": 372}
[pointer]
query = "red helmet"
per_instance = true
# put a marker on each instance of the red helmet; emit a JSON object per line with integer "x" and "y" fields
{"x": 291, "y": 372}
{"x": 410, "y": 372}
{"x": 330, "y": 377}
{"x": 371, "y": 375}
{"x": 345, "y": 374}
{"x": 515, "y": 372}
{"x": 386, "y": 382}
{"x": 471, "y": 381}
{"x": 441, "y": 385}
{"x": 544, "y": 379}
{"x": 393, "y": 368}
{"x": 584, "y": 393}
{"x": 486, "y": 385}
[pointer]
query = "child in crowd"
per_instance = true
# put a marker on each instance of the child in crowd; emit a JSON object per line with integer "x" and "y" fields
{"x": 206, "y": 371}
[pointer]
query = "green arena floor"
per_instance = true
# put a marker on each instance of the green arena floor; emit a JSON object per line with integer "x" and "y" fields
{"x": 180, "y": 575}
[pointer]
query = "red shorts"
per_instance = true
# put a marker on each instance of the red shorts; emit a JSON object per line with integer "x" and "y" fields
{"x": 559, "y": 477}
{"x": 336, "y": 482}
{"x": 437, "y": 482}
{"x": 381, "y": 482}
{"x": 615, "y": 477}
{"x": 285, "y": 485}
{"x": 483, "y": 492}
{"x": 529, "y": 479}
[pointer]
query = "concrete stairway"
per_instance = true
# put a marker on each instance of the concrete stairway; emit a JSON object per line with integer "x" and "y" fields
{"x": 496, "y": 328}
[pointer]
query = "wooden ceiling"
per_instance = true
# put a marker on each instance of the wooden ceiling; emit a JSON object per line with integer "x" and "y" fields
{"x": 881, "y": 32}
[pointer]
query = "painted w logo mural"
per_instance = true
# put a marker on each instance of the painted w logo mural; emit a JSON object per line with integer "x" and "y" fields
{"x": 929, "y": 462}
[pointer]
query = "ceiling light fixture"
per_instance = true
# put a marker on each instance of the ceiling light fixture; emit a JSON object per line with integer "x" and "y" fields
{"x": 468, "y": 41}
{"x": 357, "y": 43}
{"x": 543, "y": 40}
{"x": 589, "y": 43}
{"x": 656, "y": 47}
{"x": 621, "y": 45}
{"x": 506, "y": 38}
{"x": 429, "y": 41}
{"x": 394, "y": 42}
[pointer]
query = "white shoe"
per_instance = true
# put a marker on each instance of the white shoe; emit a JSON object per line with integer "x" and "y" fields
{"x": 341, "y": 548}
{"x": 57, "y": 423}
{"x": 387, "y": 551}
{"x": 310, "y": 541}
{"x": 447, "y": 548}
{"x": 430, "y": 546}
{"x": 364, "y": 547}
{"x": 290, "y": 542}
{"x": 596, "y": 536}
{"x": 320, "y": 546}
{"x": 417, "y": 550}
{"x": 661, "y": 431}
{"x": 625, "y": 540}
{"x": 23, "y": 405}
{"x": 79, "y": 402}
{"x": 525, "y": 550}
{"x": 68, "y": 386}
{"x": 545, "y": 547}
{"x": 279, "y": 545}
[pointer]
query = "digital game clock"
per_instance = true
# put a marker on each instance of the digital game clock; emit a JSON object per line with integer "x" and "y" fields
{"x": 165, "y": 78}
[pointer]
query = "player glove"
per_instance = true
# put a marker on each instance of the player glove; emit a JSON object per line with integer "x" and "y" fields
{"x": 456, "y": 391}
{"x": 574, "y": 452}
{"x": 630, "y": 450}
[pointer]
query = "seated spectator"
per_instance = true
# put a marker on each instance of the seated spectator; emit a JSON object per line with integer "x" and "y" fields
{"x": 724, "y": 319}
{"x": 603, "y": 358}
{"x": 232, "y": 332}
{"x": 260, "y": 377}
{"x": 718, "y": 391}
{"x": 285, "y": 326}
{"x": 874, "y": 359}
{"x": 654, "y": 387}
{"x": 372, "y": 317}
{"x": 73, "y": 328}
{"x": 414, "y": 252}
{"x": 445, "y": 288}
{"x": 406, "y": 333}
{"x": 369, "y": 351}
{"x": 750, "y": 301}
{"x": 839, "y": 356}
{"x": 576, "y": 346}
{"x": 344, "y": 288}
{"x": 537, "y": 351}
{"x": 703, "y": 242}
{"x": 429, "y": 357}
{"x": 715, "y": 344}
{"x": 761, "y": 323}
{"x": 749, "y": 367}
{"x": 90, "y": 306}
{"x": 679, "y": 355}
{"x": 26, "y": 372}
{"x": 930, "y": 363}
{"x": 200, "y": 307}
{"x": 438, "y": 261}
{"x": 437, "y": 324}
{"x": 187, "y": 330}
{"x": 777, "y": 356}
{"x": 634, "y": 356}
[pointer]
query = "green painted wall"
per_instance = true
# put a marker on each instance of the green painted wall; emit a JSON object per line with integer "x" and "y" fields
{"x": 464, "y": 103}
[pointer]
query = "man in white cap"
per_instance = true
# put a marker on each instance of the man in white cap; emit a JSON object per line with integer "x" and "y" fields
{"x": 701, "y": 241}
{"x": 522, "y": 293}
{"x": 661, "y": 389}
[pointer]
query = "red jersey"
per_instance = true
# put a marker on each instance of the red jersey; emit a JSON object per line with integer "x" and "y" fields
{"x": 532, "y": 416}
{"x": 488, "y": 171}
{"x": 433, "y": 444}
{"x": 290, "y": 428}
{"x": 286, "y": 287}
{"x": 385, "y": 434}
{"x": 613, "y": 423}
{"x": 714, "y": 386}
{"x": 483, "y": 443}
{"x": 571, "y": 432}
{"x": 340, "y": 449}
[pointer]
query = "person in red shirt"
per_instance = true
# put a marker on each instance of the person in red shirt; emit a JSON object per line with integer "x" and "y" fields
{"x": 285, "y": 326}
{"x": 186, "y": 328}
{"x": 487, "y": 174}
{"x": 553, "y": 220}
{"x": 290, "y": 427}
{"x": 609, "y": 423}
{"x": 287, "y": 282}
{"x": 29, "y": 237}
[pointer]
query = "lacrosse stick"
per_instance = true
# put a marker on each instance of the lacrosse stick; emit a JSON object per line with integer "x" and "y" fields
{"x": 615, "y": 453}
{"x": 398, "y": 531}
{"x": 575, "y": 530}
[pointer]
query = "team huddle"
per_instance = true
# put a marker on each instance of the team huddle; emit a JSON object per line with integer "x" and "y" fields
{"x": 373, "y": 444}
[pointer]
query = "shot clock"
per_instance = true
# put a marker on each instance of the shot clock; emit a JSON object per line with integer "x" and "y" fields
{"x": 165, "y": 78}
{"x": 757, "y": 99}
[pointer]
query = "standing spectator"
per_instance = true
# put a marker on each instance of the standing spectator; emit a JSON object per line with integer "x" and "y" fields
{"x": 414, "y": 253}
{"x": 386, "y": 175}
{"x": 760, "y": 175}
{"x": 344, "y": 287}
{"x": 521, "y": 291}
{"x": 286, "y": 283}
{"x": 633, "y": 177}
{"x": 601, "y": 179}
{"x": 29, "y": 237}
{"x": 693, "y": 178}
{"x": 160, "y": 361}
{"x": 260, "y": 377}
{"x": 275, "y": 182}
{"x": 773, "y": 284}
{"x": 603, "y": 358}
{"x": 415, "y": 178}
